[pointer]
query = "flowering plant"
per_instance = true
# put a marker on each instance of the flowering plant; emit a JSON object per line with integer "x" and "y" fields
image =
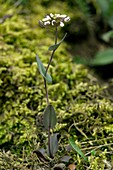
{"x": 49, "y": 116}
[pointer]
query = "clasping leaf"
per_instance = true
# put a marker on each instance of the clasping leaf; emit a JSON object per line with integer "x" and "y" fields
{"x": 55, "y": 46}
{"x": 42, "y": 70}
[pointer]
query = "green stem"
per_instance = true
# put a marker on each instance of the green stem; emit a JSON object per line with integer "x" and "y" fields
{"x": 47, "y": 98}
{"x": 45, "y": 83}
{"x": 56, "y": 37}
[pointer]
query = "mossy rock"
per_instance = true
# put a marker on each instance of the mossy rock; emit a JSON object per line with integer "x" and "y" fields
{"x": 83, "y": 109}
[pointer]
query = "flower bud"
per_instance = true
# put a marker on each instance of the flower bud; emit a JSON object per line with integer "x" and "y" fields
{"x": 61, "y": 24}
{"x": 67, "y": 19}
{"x": 41, "y": 24}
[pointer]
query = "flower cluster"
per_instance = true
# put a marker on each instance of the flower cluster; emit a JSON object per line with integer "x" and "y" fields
{"x": 54, "y": 20}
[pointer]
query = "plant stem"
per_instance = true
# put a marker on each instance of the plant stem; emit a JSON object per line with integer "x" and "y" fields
{"x": 45, "y": 83}
{"x": 49, "y": 148}
{"x": 56, "y": 37}
{"x": 47, "y": 98}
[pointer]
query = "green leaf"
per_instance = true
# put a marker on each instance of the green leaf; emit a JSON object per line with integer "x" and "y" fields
{"x": 93, "y": 152}
{"x": 49, "y": 117}
{"x": 41, "y": 154}
{"x": 104, "y": 6}
{"x": 55, "y": 46}
{"x": 103, "y": 58}
{"x": 53, "y": 144}
{"x": 110, "y": 20}
{"x": 42, "y": 70}
{"x": 106, "y": 37}
{"x": 76, "y": 148}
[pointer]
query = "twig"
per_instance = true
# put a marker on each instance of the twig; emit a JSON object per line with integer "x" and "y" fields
{"x": 100, "y": 146}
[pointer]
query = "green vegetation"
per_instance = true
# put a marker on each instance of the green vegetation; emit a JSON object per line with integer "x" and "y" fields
{"x": 84, "y": 107}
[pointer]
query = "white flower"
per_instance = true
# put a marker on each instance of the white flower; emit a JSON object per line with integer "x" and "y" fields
{"x": 57, "y": 15}
{"x": 61, "y": 24}
{"x": 47, "y": 18}
{"x": 63, "y": 16}
{"x": 51, "y": 15}
{"x": 54, "y": 20}
{"x": 67, "y": 19}
{"x": 46, "y": 23}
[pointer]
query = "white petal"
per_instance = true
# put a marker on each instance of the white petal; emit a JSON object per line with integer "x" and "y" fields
{"x": 46, "y": 19}
{"x": 47, "y": 23}
{"x": 67, "y": 19}
{"x": 51, "y": 15}
{"x": 63, "y": 16}
{"x": 53, "y": 22}
{"x": 61, "y": 24}
{"x": 57, "y": 15}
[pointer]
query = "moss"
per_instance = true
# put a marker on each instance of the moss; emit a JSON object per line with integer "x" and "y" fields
{"x": 82, "y": 107}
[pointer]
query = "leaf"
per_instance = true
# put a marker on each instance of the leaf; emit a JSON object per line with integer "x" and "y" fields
{"x": 55, "y": 46}
{"x": 49, "y": 117}
{"x": 41, "y": 154}
{"x": 104, "y": 6}
{"x": 110, "y": 19}
{"x": 106, "y": 37}
{"x": 68, "y": 148}
{"x": 76, "y": 148}
{"x": 93, "y": 152}
{"x": 103, "y": 58}
{"x": 59, "y": 166}
{"x": 42, "y": 70}
{"x": 53, "y": 144}
{"x": 65, "y": 158}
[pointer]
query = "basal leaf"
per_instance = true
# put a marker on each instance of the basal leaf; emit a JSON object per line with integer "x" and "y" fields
{"x": 65, "y": 158}
{"x": 53, "y": 144}
{"x": 41, "y": 154}
{"x": 59, "y": 166}
{"x": 76, "y": 148}
{"x": 42, "y": 70}
{"x": 55, "y": 46}
{"x": 103, "y": 57}
{"x": 49, "y": 117}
